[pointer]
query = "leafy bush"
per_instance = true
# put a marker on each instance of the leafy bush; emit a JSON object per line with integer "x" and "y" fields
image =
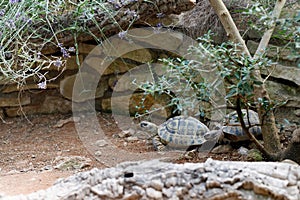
{"x": 232, "y": 66}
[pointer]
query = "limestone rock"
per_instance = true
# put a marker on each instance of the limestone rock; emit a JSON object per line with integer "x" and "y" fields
{"x": 15, "y": 88}
{"x": 222, "y": 149}
{"x": 284, "y": 72}
{"x": 136, "y": 102}
{"x": 108, "y": 65}
{"x": 118, "y": 66}
{"x": 71, "y": 63}
{"x": 71, "y": 162}
{"x": 273, "y": 51}
{"x": 84, "y": 48}
{"x": 162, "y": 40}
{"x": 283, "y": 92}
{"x": 86, "y": 87}
{"x": 297, "y": 112}
{"x": 154, "y": 179}
{"x": 13, "y": 100}
{"x": 101, "y": 143}
{"x": 62, "y": 122}
{"x": 51, "y": 104}
{"x": 119, "y": 48}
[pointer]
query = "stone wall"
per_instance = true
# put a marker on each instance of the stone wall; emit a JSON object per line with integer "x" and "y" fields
{"x": 60, "y": 93}
{"x": 283, "y": 83}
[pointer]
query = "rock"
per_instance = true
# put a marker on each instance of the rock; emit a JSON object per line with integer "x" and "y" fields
{"x": 98, "y": 153}
{"x": 14, "y": 100}
{"x": 135, "y": 103}
{"x": 119, "y": 48}
{"x": 157, "y": 185}
{"x": 163, "y": 40}
{"x": 85, "y": 88}
{"x": 132, "y": 139}
{"x": 289, "y": 162}
{"x": 297, "y": 112}
{"x": 71, "y": 63}
{"x": 84, "y": 48}
{"x": 273, "y": 51}
{"x": 108, "y": 66}
{"x": 51, "y": 104}
{"x": 15, "y": 88}
{"x": 62, "y": 122}
{"x": 125, "y": 133}
{"x": 222, "y": 149}
{"x": 284, "y": 72}
{"x": 154, "y": 194}
{"x": 71, "y": 162}
{"x": 118, "y": 66}
{"x": 283, "y": 93}
{"x": 125, "y": 82}
{"x": 154, "y": 179}
{"x": 101, "y": 143}
{"x": 243, "y": 151}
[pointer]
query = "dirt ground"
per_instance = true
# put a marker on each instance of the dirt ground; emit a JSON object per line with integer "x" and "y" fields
{"x": 36, "y": 151}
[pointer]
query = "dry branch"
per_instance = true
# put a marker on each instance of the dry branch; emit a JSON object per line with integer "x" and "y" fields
{"x": 272, "y": 143}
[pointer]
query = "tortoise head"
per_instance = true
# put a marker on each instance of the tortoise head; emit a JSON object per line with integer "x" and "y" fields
{"x": 149, "y": 127}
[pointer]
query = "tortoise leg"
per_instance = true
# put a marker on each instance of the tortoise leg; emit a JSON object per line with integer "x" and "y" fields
{"x": 191, "y": 152}
{"x": 158, "y": 144}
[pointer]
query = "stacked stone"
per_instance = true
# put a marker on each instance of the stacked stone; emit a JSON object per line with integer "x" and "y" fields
{"x": 283, "y": 83}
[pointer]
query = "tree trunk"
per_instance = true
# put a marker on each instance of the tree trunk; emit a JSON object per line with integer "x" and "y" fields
{"x": 269, "y": 129}
{"x": 270, "y": 136}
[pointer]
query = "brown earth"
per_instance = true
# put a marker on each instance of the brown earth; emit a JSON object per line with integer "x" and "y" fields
{"x": 33, "y": 148}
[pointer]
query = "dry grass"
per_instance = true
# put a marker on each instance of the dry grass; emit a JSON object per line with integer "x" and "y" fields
{"x": 202, "y": 18}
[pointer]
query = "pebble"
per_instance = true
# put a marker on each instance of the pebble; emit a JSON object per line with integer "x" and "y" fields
{"x": 98, "y": 153}
{"x": 101, "y": 143}
{"x": 48, "y": 167}
{"x": 243, "y": 151}
{"x": 124, "y": 134}
{"x": 132, "y": 139}
{"x": 222, "y": 149}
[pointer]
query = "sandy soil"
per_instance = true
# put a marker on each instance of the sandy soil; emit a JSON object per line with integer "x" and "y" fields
{"x": 36, "y": 151}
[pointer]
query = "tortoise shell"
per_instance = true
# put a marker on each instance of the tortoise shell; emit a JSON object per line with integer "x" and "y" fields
{"x": 183, "y": 131}
{"x": 232, "y": 127}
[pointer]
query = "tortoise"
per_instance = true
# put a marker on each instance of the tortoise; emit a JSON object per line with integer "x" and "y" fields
{"x": 177, "y": 132}
{"x": 232, "y": 129}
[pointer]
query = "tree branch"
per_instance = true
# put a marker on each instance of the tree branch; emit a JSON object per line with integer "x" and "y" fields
{"x": 269, "y": 128}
